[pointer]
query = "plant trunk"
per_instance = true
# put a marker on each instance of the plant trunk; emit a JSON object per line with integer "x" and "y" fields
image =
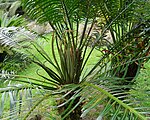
{"x": 128, "y": 75}
{"x": 2, "y": 56}
{"x": 131, "y": 72}
{"x": 76, "y": 113}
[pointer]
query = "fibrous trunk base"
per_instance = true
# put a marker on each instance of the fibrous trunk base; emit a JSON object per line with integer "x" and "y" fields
{"x": 76, "y": 113}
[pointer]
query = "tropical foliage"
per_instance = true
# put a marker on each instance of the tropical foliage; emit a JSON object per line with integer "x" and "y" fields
{"x": 5, "y": 21}
{"x": 9, "y": 41}
{"x": 76, "y": 90}
{"x": 130, "y": 39}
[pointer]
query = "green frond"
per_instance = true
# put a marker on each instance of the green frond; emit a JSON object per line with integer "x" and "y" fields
{"x": 113, "y": 107}
{"x": 15, "y": 20}
{"x": 23, "y": 101}
{"x": 14, "y": 38}
{"x": 14, "y": 95}
{"x": 45, "y": 11}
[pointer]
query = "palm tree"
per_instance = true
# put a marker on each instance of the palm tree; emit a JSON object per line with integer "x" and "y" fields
{"x": 78, "y": 93}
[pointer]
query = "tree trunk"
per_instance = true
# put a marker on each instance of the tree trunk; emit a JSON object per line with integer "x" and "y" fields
{"x": 128, "y": 75}
{"x": 131, "y": 72}
{"x": 76, "y": 113}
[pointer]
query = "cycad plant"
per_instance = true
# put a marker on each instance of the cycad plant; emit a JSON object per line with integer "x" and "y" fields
{"x": 77, "y": 91}
{"x": 65, "y": 18}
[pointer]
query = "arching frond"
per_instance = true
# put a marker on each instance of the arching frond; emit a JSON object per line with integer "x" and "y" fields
{"x": 25, "y": 99}
{"x": 13, "y": 37}
{"x": 113, "y": 103}
{"x": 15, "y": 95}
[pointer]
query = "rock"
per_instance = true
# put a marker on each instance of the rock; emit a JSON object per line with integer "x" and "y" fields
{"x": 40, "y": 28}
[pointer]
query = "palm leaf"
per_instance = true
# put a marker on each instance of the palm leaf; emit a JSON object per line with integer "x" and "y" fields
{"x": 14, "y": 95}
{"x": 113, "y": 104}
{"x": 13, "y": 37}
{"x": 15, "y": 20}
